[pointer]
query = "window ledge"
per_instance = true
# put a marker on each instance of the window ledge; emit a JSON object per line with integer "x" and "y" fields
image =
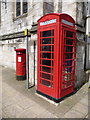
{"x": 21, "y": 16}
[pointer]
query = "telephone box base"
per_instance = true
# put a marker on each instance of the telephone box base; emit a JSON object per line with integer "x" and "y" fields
{"x": 54, "y": 99}
{"x": 21, "y": 77}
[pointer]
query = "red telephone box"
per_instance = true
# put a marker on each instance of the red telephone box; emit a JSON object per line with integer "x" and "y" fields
{"x": 20, "y": 63}
{"x": 56, "y": 55}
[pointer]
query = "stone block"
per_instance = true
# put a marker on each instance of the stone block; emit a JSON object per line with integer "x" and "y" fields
{"x": 85, "y": 101}
{"x": 25, "y": 103}
{"x": 38, "y": 109}
{"x": 73, "y": 114}
{"x": 26, "y": 114}
{"x": 81, "y": 108}
{"x": 12, "y": 111}
{"x": 46, "y": 114}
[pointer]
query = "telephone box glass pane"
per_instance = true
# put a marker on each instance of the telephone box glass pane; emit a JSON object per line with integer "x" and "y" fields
{"x": 69, "y": 41}
{"x": 69, "y": 83}
{"x": 46, "y": 48}
{"x": 47, "y": 41}
{"x": 46, "y": 55}
{"x": 46, "y": 33}
{"x": 46, "y": 76}
{"x": 69, "y": 48}
{"x": 68, "y": 62}
{"x": 67, "y": 77}
{"x": 68, "y": 56}
{"x": 69, "y": 34}
{"x": 45, "y": 69}
{"x": 44, "y": 82}
{"x": 46, "y": 62}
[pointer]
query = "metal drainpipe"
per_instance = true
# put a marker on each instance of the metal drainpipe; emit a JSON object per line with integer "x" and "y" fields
{"x": 27, "y": 63}
{"x": 34, "y": 61}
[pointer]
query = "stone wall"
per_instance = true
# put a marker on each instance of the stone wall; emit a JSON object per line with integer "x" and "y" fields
{"x": 12, "y": 24}
{"x": 80, "y": 59}
{"x": 88, "y": 54}
{"x": 69, "y": 8}
{"x": 8, "y": 56}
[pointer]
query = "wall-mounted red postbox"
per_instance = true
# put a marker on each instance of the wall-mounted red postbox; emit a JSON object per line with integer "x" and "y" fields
{"x": 56, "y": 55}
{"x": 20, "y": 63}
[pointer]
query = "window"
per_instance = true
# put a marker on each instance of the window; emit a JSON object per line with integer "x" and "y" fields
{"x": 25, "y": 4}
{"x": 18, "y": 8}
{"x": 21, "y": 7}
{"x": 89, "y": 8}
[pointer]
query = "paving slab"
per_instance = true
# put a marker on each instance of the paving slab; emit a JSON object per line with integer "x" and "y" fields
{"x": 46, "y": 114}
{"x": 73, "y": 114}
{"x": 25, "y": 103}
{"x": 6, "y": 101}
{"x": 81, "y": 108}
{"x": 5, "y": 115}
{"x": 38, "y": 109}
{"x": 85, "y": 101}
{"x": 12, "y": 111}
{"x": 0, "y": 110}
{"x": 28, "y": 113}
{"x": 18, "y": 102}
{"x": 61, "y": 110}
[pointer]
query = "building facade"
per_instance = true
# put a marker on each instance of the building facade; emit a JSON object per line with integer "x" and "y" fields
{"x": 88, "y": 35}
{"x": 19, "y": 15}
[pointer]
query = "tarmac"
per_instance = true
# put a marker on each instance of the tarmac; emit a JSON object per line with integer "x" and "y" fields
{"x": 19, "y": 102}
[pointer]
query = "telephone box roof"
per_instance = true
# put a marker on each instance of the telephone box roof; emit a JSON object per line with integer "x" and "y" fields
{"x": 57, "y": 14}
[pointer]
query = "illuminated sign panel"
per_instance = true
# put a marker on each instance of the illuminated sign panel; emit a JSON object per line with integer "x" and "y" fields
{"x": 48, "y": 22}
{"x": 66, "y": 22}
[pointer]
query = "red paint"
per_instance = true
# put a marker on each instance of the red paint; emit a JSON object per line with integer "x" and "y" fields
{"x": 20, "y": 61}
{"x": 56, "y": 55}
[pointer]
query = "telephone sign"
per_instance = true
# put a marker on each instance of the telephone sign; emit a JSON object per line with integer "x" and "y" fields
{"x": 48, "y": 22}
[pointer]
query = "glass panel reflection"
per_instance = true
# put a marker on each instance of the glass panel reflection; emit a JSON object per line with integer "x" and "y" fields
{"x": 46, "y": 69}
{"x": 46, "y": 48}
{"x": 47, "y": 41}
{"x": 69, "y": 48}
{"x": 44, "y": 82}
{"x": 46, "y": 62}
{"x": 46, "y": 33}
{"x": 69, "y": 42}
{"x": 68, "y": 55}
{"x": 46, "y": 55}
{"x": 67, "y": 77}
{"x": 46, "y": 76}
{"x": 69, "y": 34}
{"x": 68, "y": 62}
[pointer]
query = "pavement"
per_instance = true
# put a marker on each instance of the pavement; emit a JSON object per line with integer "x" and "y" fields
{"x": 19, "y": 102}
